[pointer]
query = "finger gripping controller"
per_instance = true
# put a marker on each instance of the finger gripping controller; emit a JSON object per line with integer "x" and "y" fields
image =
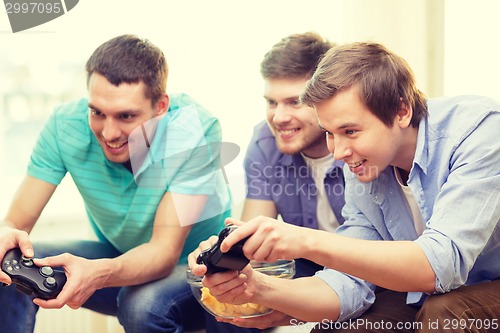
{"x": 41, "y": 282}
{"x": 217, "y": 261}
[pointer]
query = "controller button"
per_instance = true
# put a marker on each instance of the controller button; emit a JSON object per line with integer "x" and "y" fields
{"x": 50, "y": 282}
{"x": 10, "y": 269}
{"x": 6, "y": 262}
{"x": 17, "y": 267}
{"x": 14, "y": 262}
{"x": 27, "y": 262}
{"x": 46, "y": 271}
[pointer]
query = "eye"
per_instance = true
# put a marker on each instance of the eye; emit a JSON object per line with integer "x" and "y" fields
{"x": 126, "y": 116}
{"x": 295, "y": 102}
{"x": 271, "y": 103}
{"x": 350, "y": 132}
{"x": 95, "y": 112}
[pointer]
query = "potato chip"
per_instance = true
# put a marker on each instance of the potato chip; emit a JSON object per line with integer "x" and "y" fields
{"x": 231, "y": 310}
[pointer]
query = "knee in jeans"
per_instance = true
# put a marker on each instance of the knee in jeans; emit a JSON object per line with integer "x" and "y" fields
{"x": 142, "y": 310}
{"x": 134, "y": 306}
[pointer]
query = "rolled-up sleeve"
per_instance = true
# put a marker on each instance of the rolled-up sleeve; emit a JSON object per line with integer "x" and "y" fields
{"x": 465, "y": 216}
{"x": 355, "y": 295}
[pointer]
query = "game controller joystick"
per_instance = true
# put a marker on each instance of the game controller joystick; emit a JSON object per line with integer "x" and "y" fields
{"x": 41, "y": 282}
{"x": 216, "y": 261}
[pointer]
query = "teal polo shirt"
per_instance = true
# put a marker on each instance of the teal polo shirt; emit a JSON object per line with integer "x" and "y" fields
{"x": 181, "y": 156}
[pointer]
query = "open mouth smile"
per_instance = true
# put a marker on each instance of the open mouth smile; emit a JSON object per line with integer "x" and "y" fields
{"x": 115, "y": 145}
{"x": 355, "y": 165}
{"x": 288, "y": 131}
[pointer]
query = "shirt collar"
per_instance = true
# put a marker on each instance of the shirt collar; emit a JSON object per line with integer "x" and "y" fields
{"x": 422, "y": 149}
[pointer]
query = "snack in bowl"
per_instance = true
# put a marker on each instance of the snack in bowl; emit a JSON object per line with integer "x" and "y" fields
{"x": 231, "y": 310}
{"x": 284, "y": 269}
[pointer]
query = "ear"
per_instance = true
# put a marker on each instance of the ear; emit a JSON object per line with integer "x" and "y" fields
{"x": 162, "y": 105}
{"x": 404, "y": 115}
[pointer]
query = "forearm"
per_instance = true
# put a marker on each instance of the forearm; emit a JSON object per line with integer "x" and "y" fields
{"x": 307, "y": 299}
{"x": 138, "y": 265}
{"x": 395, "y": 265}
{"x": 157, "y": 258}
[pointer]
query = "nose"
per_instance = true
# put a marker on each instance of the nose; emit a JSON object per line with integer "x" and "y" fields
{"x": 339, "y": 148}
{"x": 110, "y": 130}
{"x": 281, "y": 114}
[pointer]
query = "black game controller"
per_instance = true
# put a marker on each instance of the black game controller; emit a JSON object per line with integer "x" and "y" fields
{"x": 216, "y": 261}
{"x": 41, "y": 282}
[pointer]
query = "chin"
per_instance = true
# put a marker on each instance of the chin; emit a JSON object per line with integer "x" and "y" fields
{"x": 364, "y": 178}
{"x": 367, "y": 177}
{"x": 289, "y": 149}
{"x": 117, "y": 159}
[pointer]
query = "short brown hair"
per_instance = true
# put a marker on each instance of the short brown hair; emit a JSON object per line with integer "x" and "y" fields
{"x": 294, "y": 56}
{"x": 385, "y": 80}
{"x": 130, "y": 59}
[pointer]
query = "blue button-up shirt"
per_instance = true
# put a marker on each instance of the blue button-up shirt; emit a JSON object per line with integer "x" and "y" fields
{"x": 456, "y": 183}
{"x": 287, "y": 181}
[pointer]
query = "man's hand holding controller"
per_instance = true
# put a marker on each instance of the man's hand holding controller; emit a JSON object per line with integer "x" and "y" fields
{"x": 11, "y": 238}
{"x": 18, "y": 267}
{"x": 36, "y": 281}
{"x": 216, "y": 260}
{"x": 239, "y": 286}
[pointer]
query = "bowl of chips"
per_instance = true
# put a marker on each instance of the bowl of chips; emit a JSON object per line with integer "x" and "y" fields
{"x": 282, "y": 269}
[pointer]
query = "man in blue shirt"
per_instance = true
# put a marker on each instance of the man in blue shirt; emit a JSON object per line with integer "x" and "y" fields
{"x": 147, "y": 167}
{"x": 421, "y": 214}
{"x": 289, "y": 170}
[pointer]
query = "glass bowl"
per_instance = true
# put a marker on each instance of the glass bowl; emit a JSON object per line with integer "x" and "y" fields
{"x": 283, "y": 269}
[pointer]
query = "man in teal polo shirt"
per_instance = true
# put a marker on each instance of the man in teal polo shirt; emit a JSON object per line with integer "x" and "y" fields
{"x": 147, "y": 167}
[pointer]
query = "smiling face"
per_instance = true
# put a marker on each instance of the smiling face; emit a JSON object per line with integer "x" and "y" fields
{"x": 356, "y": 136}
{"x": 294, "y": 125}
{"x": 115, "y": 111}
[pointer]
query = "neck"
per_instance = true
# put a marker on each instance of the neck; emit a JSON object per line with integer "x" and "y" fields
{"x": 404, "y": 175}
{"x": 406, "y": 153}
{"x": 128, "y": 165}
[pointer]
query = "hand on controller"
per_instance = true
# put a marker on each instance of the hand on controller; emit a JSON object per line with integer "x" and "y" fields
{"x": 217, "y": 261}
{"x": 41, "y": 282}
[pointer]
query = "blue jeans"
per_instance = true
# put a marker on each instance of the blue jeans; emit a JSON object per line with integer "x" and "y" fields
{"x": 165, "y": 305}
